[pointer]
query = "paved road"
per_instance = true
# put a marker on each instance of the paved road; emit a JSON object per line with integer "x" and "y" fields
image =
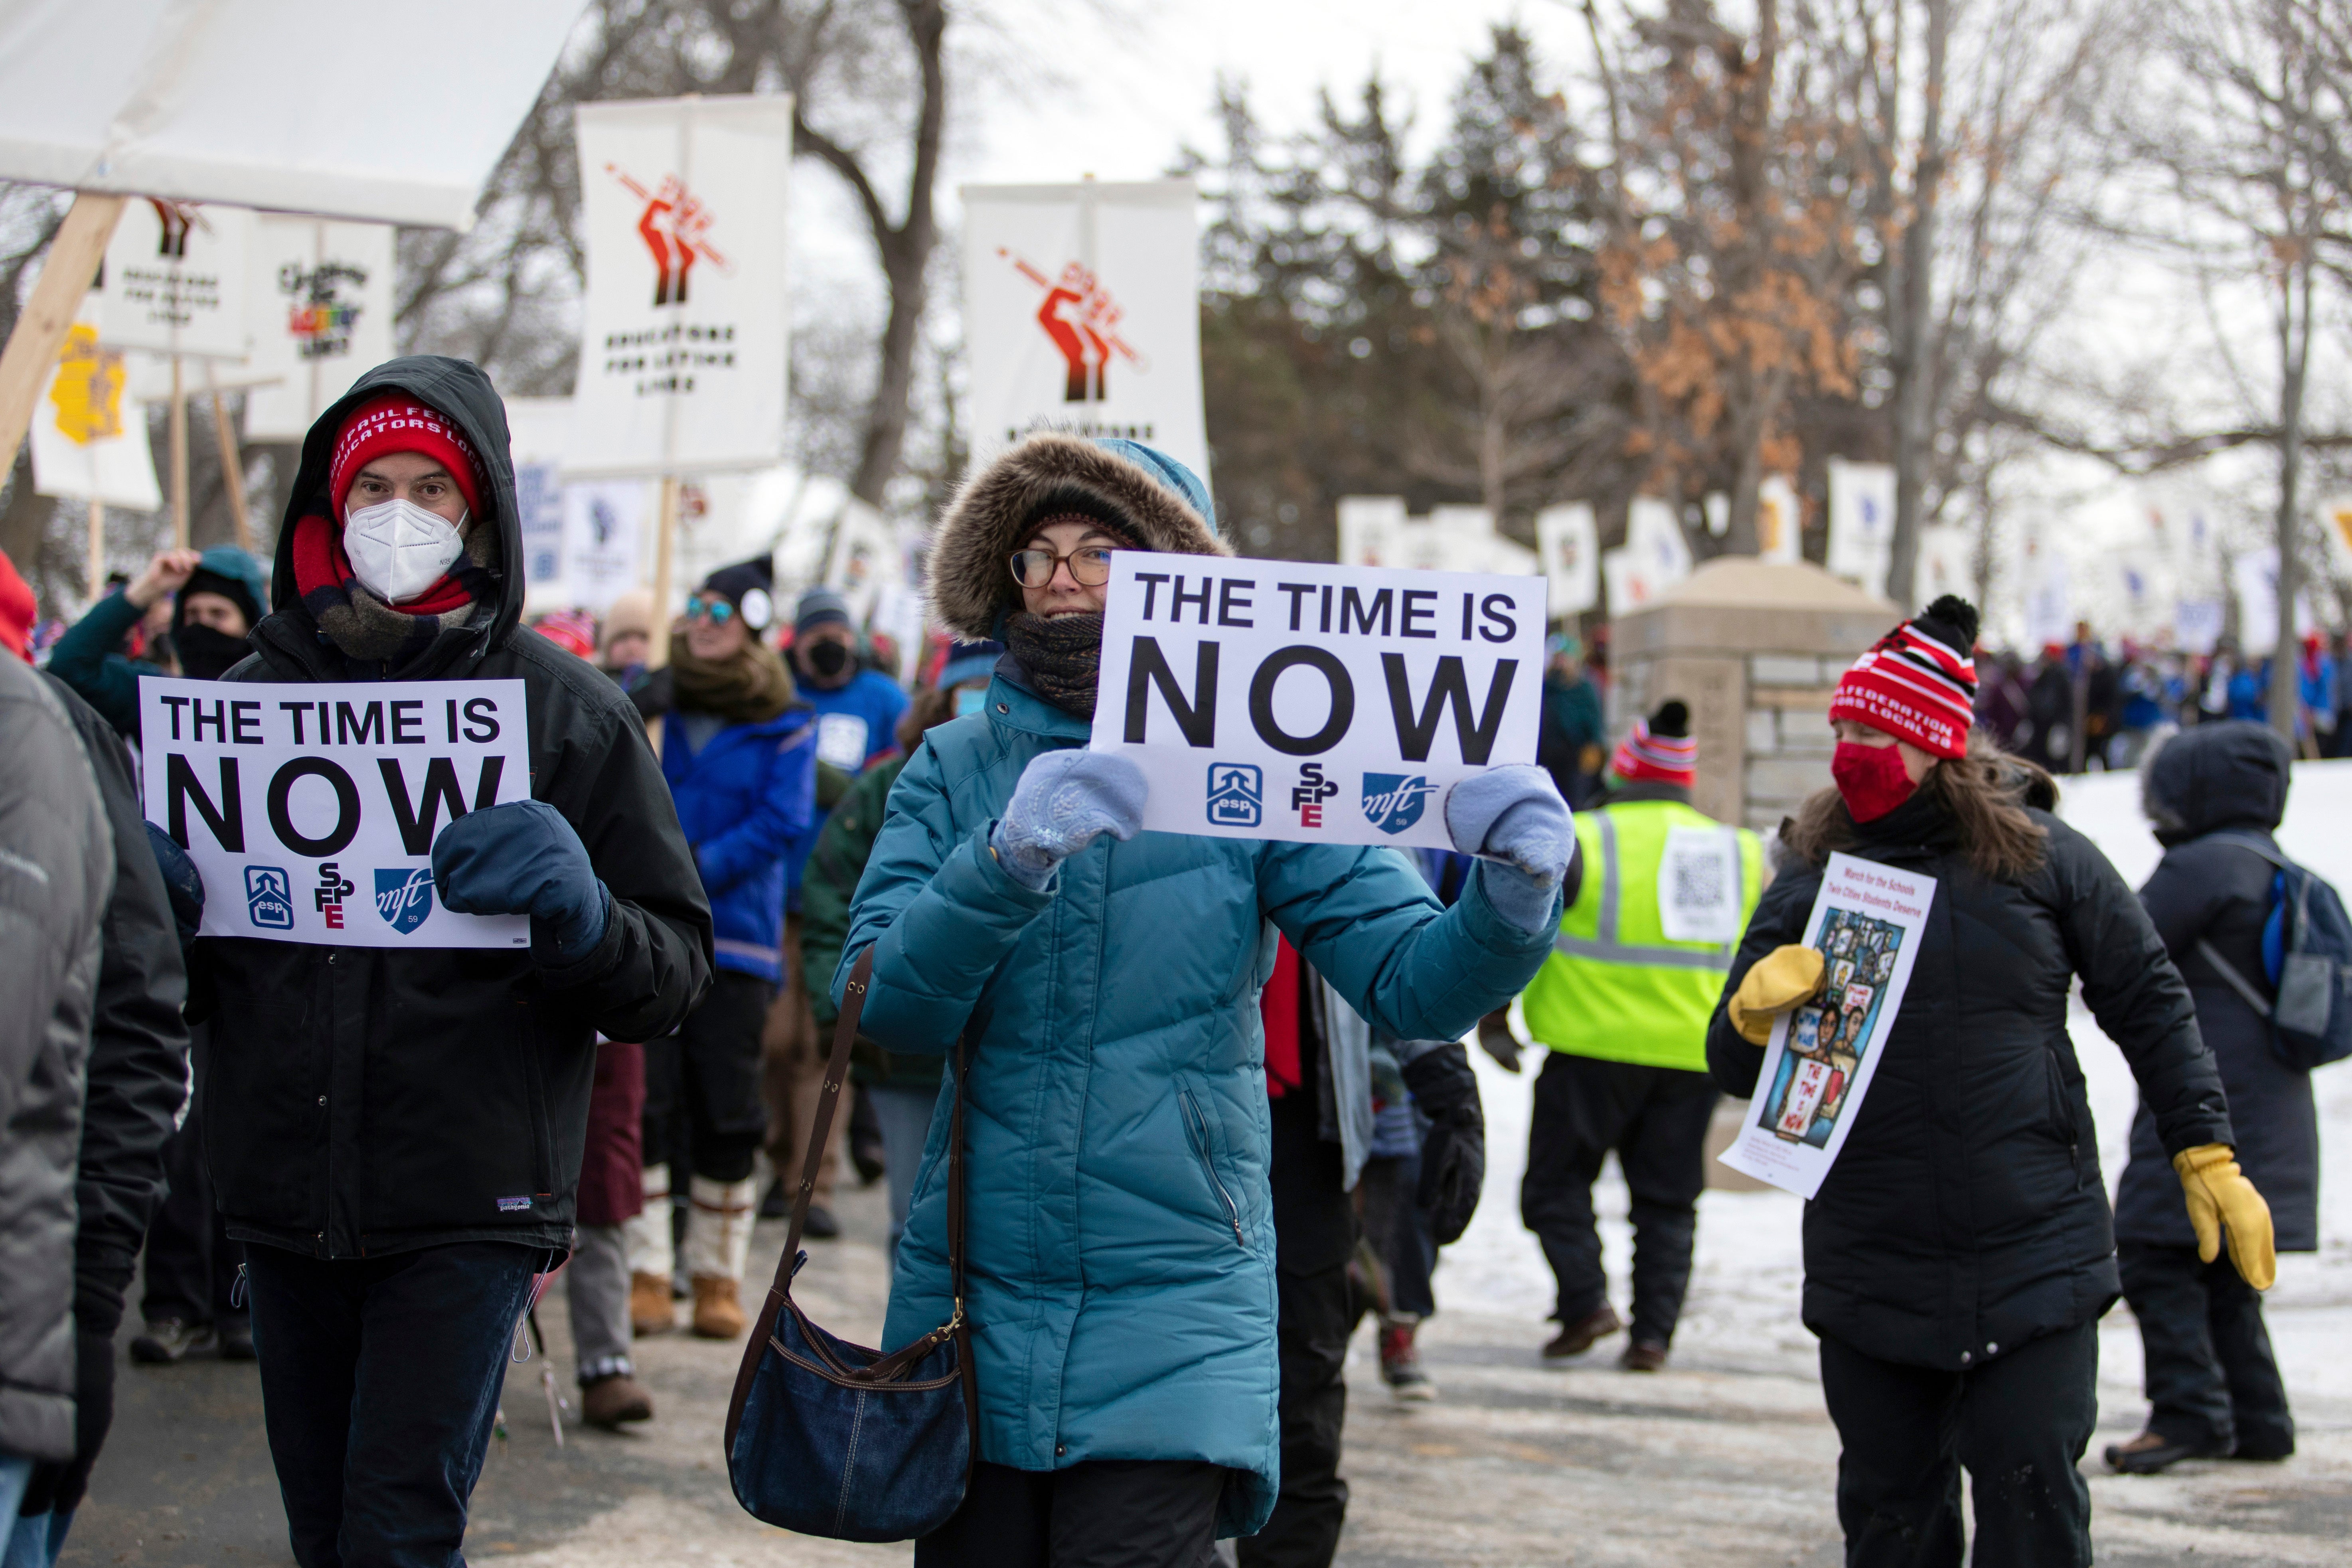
{"x": 1725, "y": 1458}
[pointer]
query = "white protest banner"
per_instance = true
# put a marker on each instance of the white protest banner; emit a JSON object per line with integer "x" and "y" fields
{"x": 1082, "y": 312}
{"x": 2336, "y": 522}
{"x": 602, "y": 526}
{"x": 1372, "y": 531}
{"x": 1862, "y": 522}
{"x": 1570, "y": 542}
{"x": 1866, "y": 923}
{"x": 319, "y": 309}
{"x": 1654, "y": 537}
{"x": 1780, "y": 535}
{"x": 1321, "y": 704}
{"x": 174, "y": 280}
{"x": 89, "y": 439}
{"x": 312, "y": 810}
{"x": 251, "y": 101}
{"x": 683, "y": 346}
{"x": 537, "y": 431}
{"x": 1947, "y": 563}
{"x": 865, "y": 559}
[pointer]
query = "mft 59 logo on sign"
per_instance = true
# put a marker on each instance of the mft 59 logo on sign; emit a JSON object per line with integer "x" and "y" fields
{"x": 1393, "y": 802}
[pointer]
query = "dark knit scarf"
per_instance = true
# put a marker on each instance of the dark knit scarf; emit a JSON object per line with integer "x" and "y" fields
{"x": 751, "y": 687}
{"x": 363, "y": 624}
{"x": 1063, "y": 655}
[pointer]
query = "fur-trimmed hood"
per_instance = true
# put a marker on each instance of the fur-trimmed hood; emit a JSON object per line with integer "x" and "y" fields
{"x": 1145, "y": 494}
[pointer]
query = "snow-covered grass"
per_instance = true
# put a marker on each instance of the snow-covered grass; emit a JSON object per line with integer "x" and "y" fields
{"x": 1743, "y": 1301}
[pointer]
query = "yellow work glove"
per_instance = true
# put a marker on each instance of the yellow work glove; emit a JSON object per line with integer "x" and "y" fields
{"x": 1780, "y": 978}
{"x": 2219, "y": 1195}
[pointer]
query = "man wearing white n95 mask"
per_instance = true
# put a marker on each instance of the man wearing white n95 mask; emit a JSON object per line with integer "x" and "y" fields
{"x": 395, "y": 1134}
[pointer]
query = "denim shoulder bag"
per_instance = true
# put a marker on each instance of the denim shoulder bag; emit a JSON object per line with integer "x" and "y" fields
{"x": 833, "y": 1439}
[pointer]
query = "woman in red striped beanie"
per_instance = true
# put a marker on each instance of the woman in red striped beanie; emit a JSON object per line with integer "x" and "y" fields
{"x": 1960, "y": 1252}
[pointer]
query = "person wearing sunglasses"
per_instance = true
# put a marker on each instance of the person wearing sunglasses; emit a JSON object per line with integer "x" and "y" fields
{"x": 737, "y": 749}
{"x": 1105, "y": 981}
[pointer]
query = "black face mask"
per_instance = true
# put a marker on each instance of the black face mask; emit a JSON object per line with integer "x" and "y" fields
{"x": 206, "y": 654}
{"x": 827, "y": 658}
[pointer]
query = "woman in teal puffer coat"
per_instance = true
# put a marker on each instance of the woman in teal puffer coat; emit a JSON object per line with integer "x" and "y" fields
{"x": 1120, "y": 1246}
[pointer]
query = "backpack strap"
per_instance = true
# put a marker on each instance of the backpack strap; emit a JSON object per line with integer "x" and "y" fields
{"x": 2245, "y": 840}
{"x": 2237, "y": 982}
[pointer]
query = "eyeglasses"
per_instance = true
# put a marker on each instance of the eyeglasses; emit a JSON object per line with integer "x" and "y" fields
{"x": 717, "y": 612}
{"x": 1090, "y": 566}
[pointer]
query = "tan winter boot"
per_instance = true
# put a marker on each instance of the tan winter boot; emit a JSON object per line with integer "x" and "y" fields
{"x": 651, "y": 1310}
{"x": 718, "y": 1244}
{"x": 646, "y": 1236}
{"x": 717, "y": 1314}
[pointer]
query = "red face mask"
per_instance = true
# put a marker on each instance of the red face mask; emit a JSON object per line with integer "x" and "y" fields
{"x": 1870, "y": 778}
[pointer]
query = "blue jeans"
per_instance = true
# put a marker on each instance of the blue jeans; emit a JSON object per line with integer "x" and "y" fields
{"x": 904, "y": 1117}
{"x": 15, "y": 1470}
{"x": 35, "y": 1542}
{"x": 379, "y": 1387}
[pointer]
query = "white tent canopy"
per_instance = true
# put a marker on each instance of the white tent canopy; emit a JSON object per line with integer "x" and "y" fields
{"x": 260, "y": 102}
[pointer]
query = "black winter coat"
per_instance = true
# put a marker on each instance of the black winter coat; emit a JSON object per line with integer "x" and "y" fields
{"x": 367, "y": 1100}
{"x": 2214, "y": 777}
{"x": 1966, "y": 1214}
{"x": 138, "y": 1079}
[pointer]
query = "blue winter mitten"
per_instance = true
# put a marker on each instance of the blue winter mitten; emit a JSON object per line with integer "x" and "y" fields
{"x": 1515, "y": 819}
{"x": 523, "y": 859}
{"x": 1064, "y": 802}
{"x": 183, "y": 884}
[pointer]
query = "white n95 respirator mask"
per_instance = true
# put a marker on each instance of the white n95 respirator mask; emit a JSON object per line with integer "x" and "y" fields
{"x": 398, "y": 548}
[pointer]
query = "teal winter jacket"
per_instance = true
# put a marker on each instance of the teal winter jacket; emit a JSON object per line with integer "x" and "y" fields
{"x": 1120, "y": 1242}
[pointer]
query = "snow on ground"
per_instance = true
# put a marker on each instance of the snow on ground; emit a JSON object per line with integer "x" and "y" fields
{"x": 1748, "y": 1272}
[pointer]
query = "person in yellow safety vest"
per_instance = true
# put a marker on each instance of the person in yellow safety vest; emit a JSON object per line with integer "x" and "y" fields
{"x": 1659, "y": 894}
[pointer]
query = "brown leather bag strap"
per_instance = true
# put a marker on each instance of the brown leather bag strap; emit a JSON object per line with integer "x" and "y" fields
{"x": 836, "y": 1067}
{"x": 828, "y": 1104}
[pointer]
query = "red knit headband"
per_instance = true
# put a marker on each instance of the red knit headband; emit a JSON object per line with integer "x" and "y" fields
{"x": 399, "y": 423}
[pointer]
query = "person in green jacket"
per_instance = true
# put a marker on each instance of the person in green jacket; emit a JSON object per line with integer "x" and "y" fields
{"x": 220, "y": 593}
{"x": 902, "y": 1089}
{"x": 1657, "y": 903}
{"x": 1104, "y": 981}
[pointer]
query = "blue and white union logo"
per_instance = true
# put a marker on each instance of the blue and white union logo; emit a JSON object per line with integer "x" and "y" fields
{"x": 269, "y": 898}
{"x": 1236, "y": 794}
{"x": 404, "y": 896}
{"x": 1393, "y": 802}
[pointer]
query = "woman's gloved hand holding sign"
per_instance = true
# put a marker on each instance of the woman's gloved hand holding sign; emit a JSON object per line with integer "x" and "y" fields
{"x": 1781, "y": 980}
{"x": 1512, "y": 815}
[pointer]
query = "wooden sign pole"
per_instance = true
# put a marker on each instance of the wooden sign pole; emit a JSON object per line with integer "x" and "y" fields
{"x": 49, "y": 315}
{"x": 96, "y": 548}
{"x": 231, "y": 464}
{"x": 665, "y": 545}
{"x": 179, "y": 426}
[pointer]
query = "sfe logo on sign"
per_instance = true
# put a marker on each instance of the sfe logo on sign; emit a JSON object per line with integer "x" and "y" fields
{"x": 328, "y": 895}
{"x": 1313, "y": 790}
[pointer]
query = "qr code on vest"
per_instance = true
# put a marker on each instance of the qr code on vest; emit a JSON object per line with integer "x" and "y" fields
{"x": 1699, "y": 881}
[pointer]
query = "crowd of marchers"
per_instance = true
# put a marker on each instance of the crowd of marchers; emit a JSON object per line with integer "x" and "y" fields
{"x": 1213, "y": 1096}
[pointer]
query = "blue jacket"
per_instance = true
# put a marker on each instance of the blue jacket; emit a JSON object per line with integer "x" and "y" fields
{"x": 1120, "y": 1236}
{"x": 858, "y": 723}
{"x": 745, "y": 799}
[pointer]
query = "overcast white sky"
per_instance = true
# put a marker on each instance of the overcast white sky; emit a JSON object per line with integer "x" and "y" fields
{"x": 1126, "y": 83}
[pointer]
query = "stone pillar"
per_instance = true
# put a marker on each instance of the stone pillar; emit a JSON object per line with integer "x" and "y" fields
{"x": 1755, "y": 649}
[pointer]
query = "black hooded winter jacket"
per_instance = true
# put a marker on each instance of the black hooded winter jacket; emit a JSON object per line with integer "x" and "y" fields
{"x": 368, "y": 1101}
{"x": 2224, "y": 776}
{"x": 1966, "y": 1214}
